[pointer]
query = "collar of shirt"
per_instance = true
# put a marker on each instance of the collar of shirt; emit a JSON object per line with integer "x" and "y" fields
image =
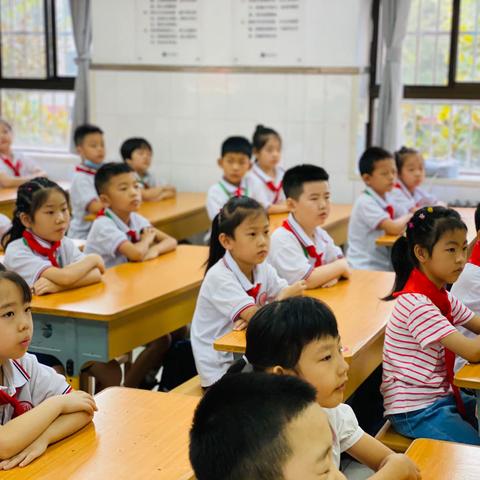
{"x": 231, "y": 264}
{"x": 119, "y": 223}
{"x": 266, "y": 178}
{"x": 304, "y": 239}
{"x": 401, "y": 186}
{"x": 14, "y": 376}
{"x": 44, "y": 243}
{"x": 382, "y": 202}
{"x": 231, "y": 188}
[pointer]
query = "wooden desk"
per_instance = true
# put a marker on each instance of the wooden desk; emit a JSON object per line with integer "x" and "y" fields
{"x": 135, "y": 304}
{"x": 8, "y": 197}
{"x": 136, "y": 434}
{"x": 467, "y": 214}
{"x": 439, "y": 460}
{"x": 361, "y": 318}
{"x": 336, "y": 224}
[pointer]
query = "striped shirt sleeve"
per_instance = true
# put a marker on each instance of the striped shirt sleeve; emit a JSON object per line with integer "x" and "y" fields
{"x": 461, "y": 313}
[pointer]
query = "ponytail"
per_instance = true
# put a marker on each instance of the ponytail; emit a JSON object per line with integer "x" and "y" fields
{"x": 402, "y": 265}
{"x": 261, "y": 136}
{"x": 216, "y": 250}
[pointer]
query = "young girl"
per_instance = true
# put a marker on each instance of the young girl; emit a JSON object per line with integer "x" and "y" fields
{"x": 34, "y": 410}
{"x": 299, "y": 337}
{"x": 237, "y": 282}
{"x": 14, "y": 168}
{"x": 266, "y": 175}
{"x": 421, "y": 338}
{"x": 407, "y": 194}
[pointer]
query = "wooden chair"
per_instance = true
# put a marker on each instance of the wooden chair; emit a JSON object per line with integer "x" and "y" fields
{"x": 389, "y": 437}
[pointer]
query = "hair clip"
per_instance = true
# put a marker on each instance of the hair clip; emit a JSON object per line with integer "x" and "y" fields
{"x": 422, "y": 216}
{"x": 430, "y": 209}
{"x": 410, "y": 224}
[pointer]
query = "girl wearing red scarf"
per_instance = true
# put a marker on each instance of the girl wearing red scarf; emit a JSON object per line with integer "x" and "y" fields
{"x": 422, "y": 336}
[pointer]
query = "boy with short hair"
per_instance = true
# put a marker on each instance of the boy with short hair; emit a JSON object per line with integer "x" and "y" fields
{"x": 83, "y": 197}
{"x": 235, "y": 163}
{"x": 137, "y": 152}
{"x": 301, "y": 249}
{"x": 253, "y": 426}
{"x": 373, "y": 214}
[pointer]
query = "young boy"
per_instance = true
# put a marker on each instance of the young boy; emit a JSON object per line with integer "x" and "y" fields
{"x": 235, "y": 163}
{"x": 121, "y": 235}
{"x": 83, "y": 197}
{"x": 137, "y": 152}
{"x": 373, "y": 214}
{"x": 301, "y": 249}
{"x": 259, "y": 426}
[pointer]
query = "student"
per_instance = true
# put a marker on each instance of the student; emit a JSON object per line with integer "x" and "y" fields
{"x": 299, "y": 336}
{"x": 408, "y": 194}
{"x": 421, "y": 338}
{"x": 90, "y": 146}
{"x": 256, "y": 426}
{"x": 5, "y": 224}
{"x": 119, "y": 235}
{"x": 15, "y": 169}
{"x": 237, "y": 282}
{"x": 36, "y": 247}
{"x": 137, "y": 152}
{"x": 235, "y": 163}
{"x": 265, "y": 177}
{"x": 300, "y": 249}
{"x": 374, "y": 214}
{"x": 34, "y": 410}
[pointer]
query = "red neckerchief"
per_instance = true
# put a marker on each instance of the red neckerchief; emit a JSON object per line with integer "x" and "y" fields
{"x": 14, "y": 167}
{"x": 418, "y": 282}
{"x": 33, "y": 243}
{"x": 253, "y": 292}
{"x": 18, "y": 407}
{"x": 238, "y": 192}
{"x": 310, "y": 249}
{"x": 132, "y": 234}
{"x": 388, "y": 208}
{"x": 271, "y": 186}
{"x": 475, "y": 256}
{"x": 85, "y": 169}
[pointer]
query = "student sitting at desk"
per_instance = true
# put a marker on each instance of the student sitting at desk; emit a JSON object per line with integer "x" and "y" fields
{"x": 91, "y": 148}
{"x": 5, "y": 225}
{"x": 258, "y": 426}
{"x": 15, "y": 169}
{"x": 34, "y": 408}
{"x": 137, "y": 152}
{"x": 301, "y": 249}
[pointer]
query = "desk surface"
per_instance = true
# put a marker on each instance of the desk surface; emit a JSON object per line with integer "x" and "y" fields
{"x": 439, "y": 460}
{"x": 468, "y": 376}
{"x": 129, "y": 286}
{"x": 467, "y": 214}
{"x": 360, "y": 313}
{"x": 136, "y": 434}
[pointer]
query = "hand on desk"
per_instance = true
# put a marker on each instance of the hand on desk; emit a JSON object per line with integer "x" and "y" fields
{"x": 292, "y": 290}
{"x": 78, "y": 401}
{"x": 399, "y": 467}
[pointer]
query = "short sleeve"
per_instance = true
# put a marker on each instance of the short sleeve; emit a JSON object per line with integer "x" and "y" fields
{"x": 72, "y": 252}
{"x": 275, "y": 284}
{"x": 461, "y": 314}
{"x": 345, "y": 426}
{"x": 372, "y": 214}
{"x": 257, "y": 190}
{"x": 82, "y": 193}
{"x": 104, "y": 238}
{"x": 216, "y": 199}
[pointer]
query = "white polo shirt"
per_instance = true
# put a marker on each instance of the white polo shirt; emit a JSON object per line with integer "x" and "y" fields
{"x": 260, "y": 190}
{"x": 82, "y": 193}
{"x": 288, "y": 253}
{"x": 404, "y": 200}
{"x": 368, "y": 212}
{"x": 20, "y": 258}
{"x": 223, "y": 297}
{"x": 147, "y": 180}
{"x": 5, "y": 224}
{"x": 27, "y": 165}
{"x": 108, "y": 232}
{"x": 30, "y": 383}
{"x": 221, "y": 192}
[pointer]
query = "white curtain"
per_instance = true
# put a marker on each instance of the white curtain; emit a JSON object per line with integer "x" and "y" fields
{"x": 394, "y": 19}
{"x": 82, "y": 33}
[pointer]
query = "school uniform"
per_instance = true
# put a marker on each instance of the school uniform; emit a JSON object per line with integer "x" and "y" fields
{"x": 405, "y": 200}
{"x": 147, "y": 180}
{"x": 467, "y": 290}
{"x": 225, "y": 293}
{"x": 17, "y": 165}
{"x": 221, "y": 192}
{"x": 363, "y": 229}
{"x": 82, "y": 194}
{"x": 30, "y": 256}
{"x": 295, "y": 255}
{"x": 263, "y": 188}
{"x": 108, "y": 232}
{"x": 27, "y": 383}
{"x": 5, "y": 224}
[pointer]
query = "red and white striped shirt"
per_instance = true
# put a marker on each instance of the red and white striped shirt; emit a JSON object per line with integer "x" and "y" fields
{"x": 414, "y": 371}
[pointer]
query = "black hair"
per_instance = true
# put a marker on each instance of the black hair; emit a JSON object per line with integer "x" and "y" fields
{"x": 295, "y": 177}
{"x": 279, "y": 331}
{"x": 15, "y": 278}
{"x": 477, "y": 218}
{"x": 30, "y": 197}
{"x": 370, "y": 156}
{"x": 7, "y": 124}
{"x": 232, "y": 214}
{"x": 83, "y": 130}
{"x": 239, "y": 426}
{"x": 425, "y": 228}
{"x": 237, "y": 145}
{"x": 401, "y": 155}
{"x": 132, "y": 144}
{"x": 107, "y": 171}
{"x": 261, "y": 136}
